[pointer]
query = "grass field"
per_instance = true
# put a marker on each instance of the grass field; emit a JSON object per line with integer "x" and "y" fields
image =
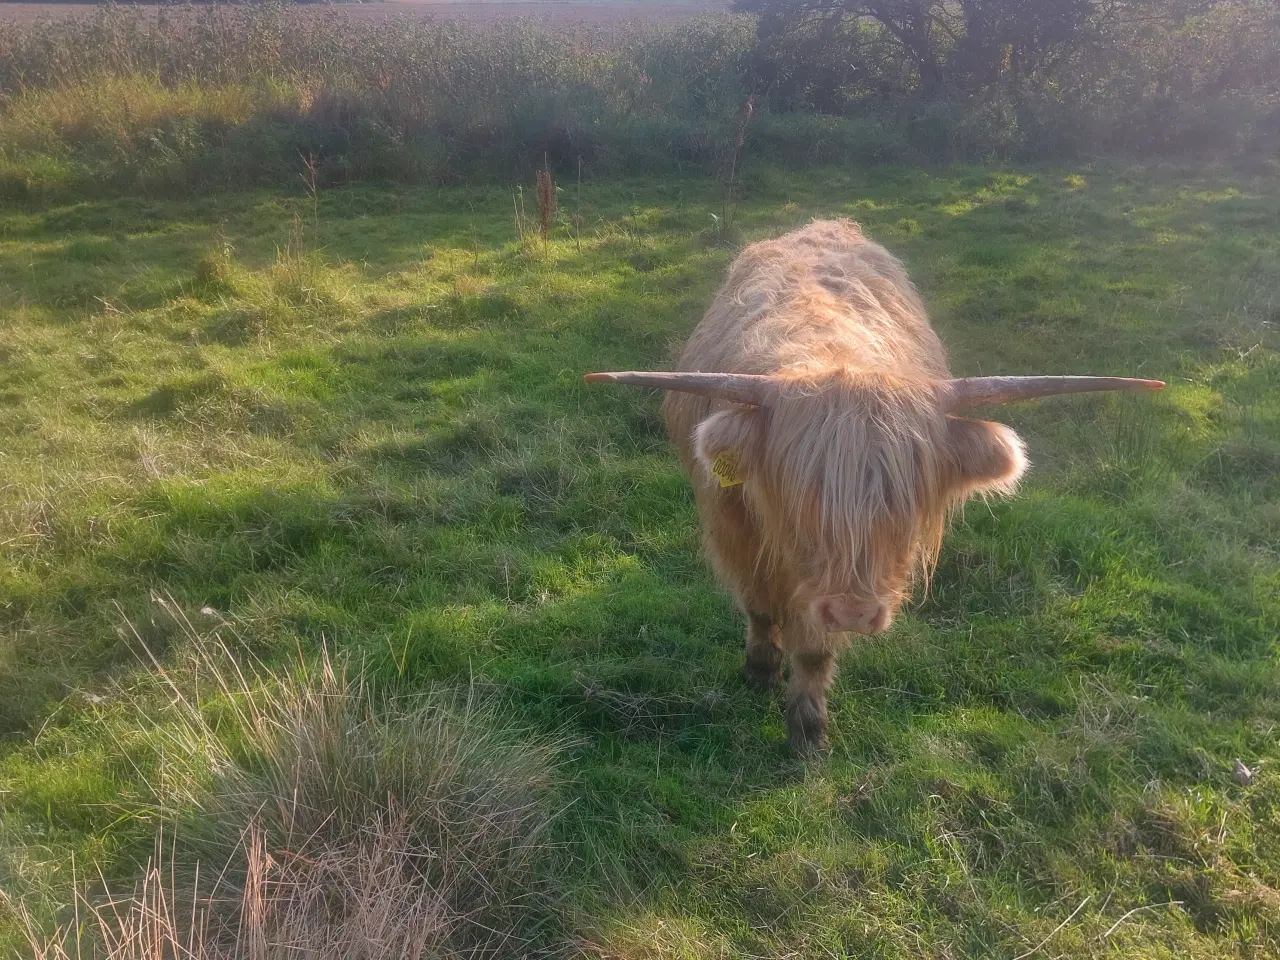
{"x": 358, "y": 424}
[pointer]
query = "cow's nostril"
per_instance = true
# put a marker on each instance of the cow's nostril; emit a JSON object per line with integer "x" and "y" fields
{"x": 835, "y": 615}
{"x": 823, "y": 614}
{"x": 879, "y": 620}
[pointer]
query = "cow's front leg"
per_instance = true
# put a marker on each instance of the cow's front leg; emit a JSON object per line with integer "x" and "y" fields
{"x": 812, "y": 671}
{"x": 763, "y": 670}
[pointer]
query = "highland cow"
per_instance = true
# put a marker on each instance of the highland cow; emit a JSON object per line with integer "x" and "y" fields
{"x": 817, "y": 420}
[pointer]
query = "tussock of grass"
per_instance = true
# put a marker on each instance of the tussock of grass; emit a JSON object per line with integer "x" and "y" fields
{"x": 305, "y": 815}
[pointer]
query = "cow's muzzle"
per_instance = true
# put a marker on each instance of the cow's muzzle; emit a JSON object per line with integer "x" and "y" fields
{"x": 839, "y": 614}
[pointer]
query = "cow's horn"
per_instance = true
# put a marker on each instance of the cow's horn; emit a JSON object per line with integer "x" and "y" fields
{"x": 739, "y": 387}
{"x": 975, "y": 391}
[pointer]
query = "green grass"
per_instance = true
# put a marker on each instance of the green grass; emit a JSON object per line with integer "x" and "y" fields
{"x": 363, "y": 426}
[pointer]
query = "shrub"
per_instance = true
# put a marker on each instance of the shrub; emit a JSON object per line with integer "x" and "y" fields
{"x": 335, "y": 823}
{"x": 991, "y": 79}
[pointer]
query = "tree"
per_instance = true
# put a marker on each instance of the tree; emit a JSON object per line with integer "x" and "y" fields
{"x": 948, "y": 45}
{"x": 911, "y": 25}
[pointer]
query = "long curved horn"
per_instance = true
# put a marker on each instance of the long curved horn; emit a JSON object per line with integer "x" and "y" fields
{"x": 976, "y": 391}
{"x": 740, "y": 387}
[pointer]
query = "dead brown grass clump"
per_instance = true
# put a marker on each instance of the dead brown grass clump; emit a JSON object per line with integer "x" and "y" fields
{"x": 336, "y": 824}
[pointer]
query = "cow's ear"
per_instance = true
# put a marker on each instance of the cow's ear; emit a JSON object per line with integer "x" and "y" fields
{"x": 985, "y": 457}
{"x": 727, "y": 442}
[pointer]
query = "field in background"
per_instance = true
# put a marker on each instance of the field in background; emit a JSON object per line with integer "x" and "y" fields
{"x": 595, "y": 12}
{"x": 175, "y": 101}
{"x": 355, "y": 422}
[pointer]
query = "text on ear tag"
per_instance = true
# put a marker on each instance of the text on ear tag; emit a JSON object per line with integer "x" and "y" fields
{"x": 725, "y": 469}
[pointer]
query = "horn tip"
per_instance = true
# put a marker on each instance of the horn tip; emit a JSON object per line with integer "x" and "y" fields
{"x": 598, "y": 377}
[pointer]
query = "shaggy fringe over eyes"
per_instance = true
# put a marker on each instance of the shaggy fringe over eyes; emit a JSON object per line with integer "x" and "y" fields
{"x": 859, "y": 464}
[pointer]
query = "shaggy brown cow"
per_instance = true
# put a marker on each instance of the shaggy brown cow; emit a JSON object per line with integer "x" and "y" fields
{"x": 823, "y": 448}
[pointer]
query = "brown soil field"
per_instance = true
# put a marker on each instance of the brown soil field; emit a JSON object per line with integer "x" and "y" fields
{"x": 478, "y": 11}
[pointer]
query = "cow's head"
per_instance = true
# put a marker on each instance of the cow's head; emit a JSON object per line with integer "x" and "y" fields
{"x": 850, "y": 475}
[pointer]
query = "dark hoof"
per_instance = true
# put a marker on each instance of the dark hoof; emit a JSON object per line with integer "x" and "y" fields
{"x": 803, "y": 749}
{"x": 761, "y": 678}
{"x": 806, "y": 728}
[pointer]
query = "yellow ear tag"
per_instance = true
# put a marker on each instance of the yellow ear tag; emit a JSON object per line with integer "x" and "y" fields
{"x": 725, "y": 469}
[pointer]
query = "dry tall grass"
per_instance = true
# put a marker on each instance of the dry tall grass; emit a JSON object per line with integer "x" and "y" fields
{"x": 336, "y": 824}
{"x": 187, "y": 99}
